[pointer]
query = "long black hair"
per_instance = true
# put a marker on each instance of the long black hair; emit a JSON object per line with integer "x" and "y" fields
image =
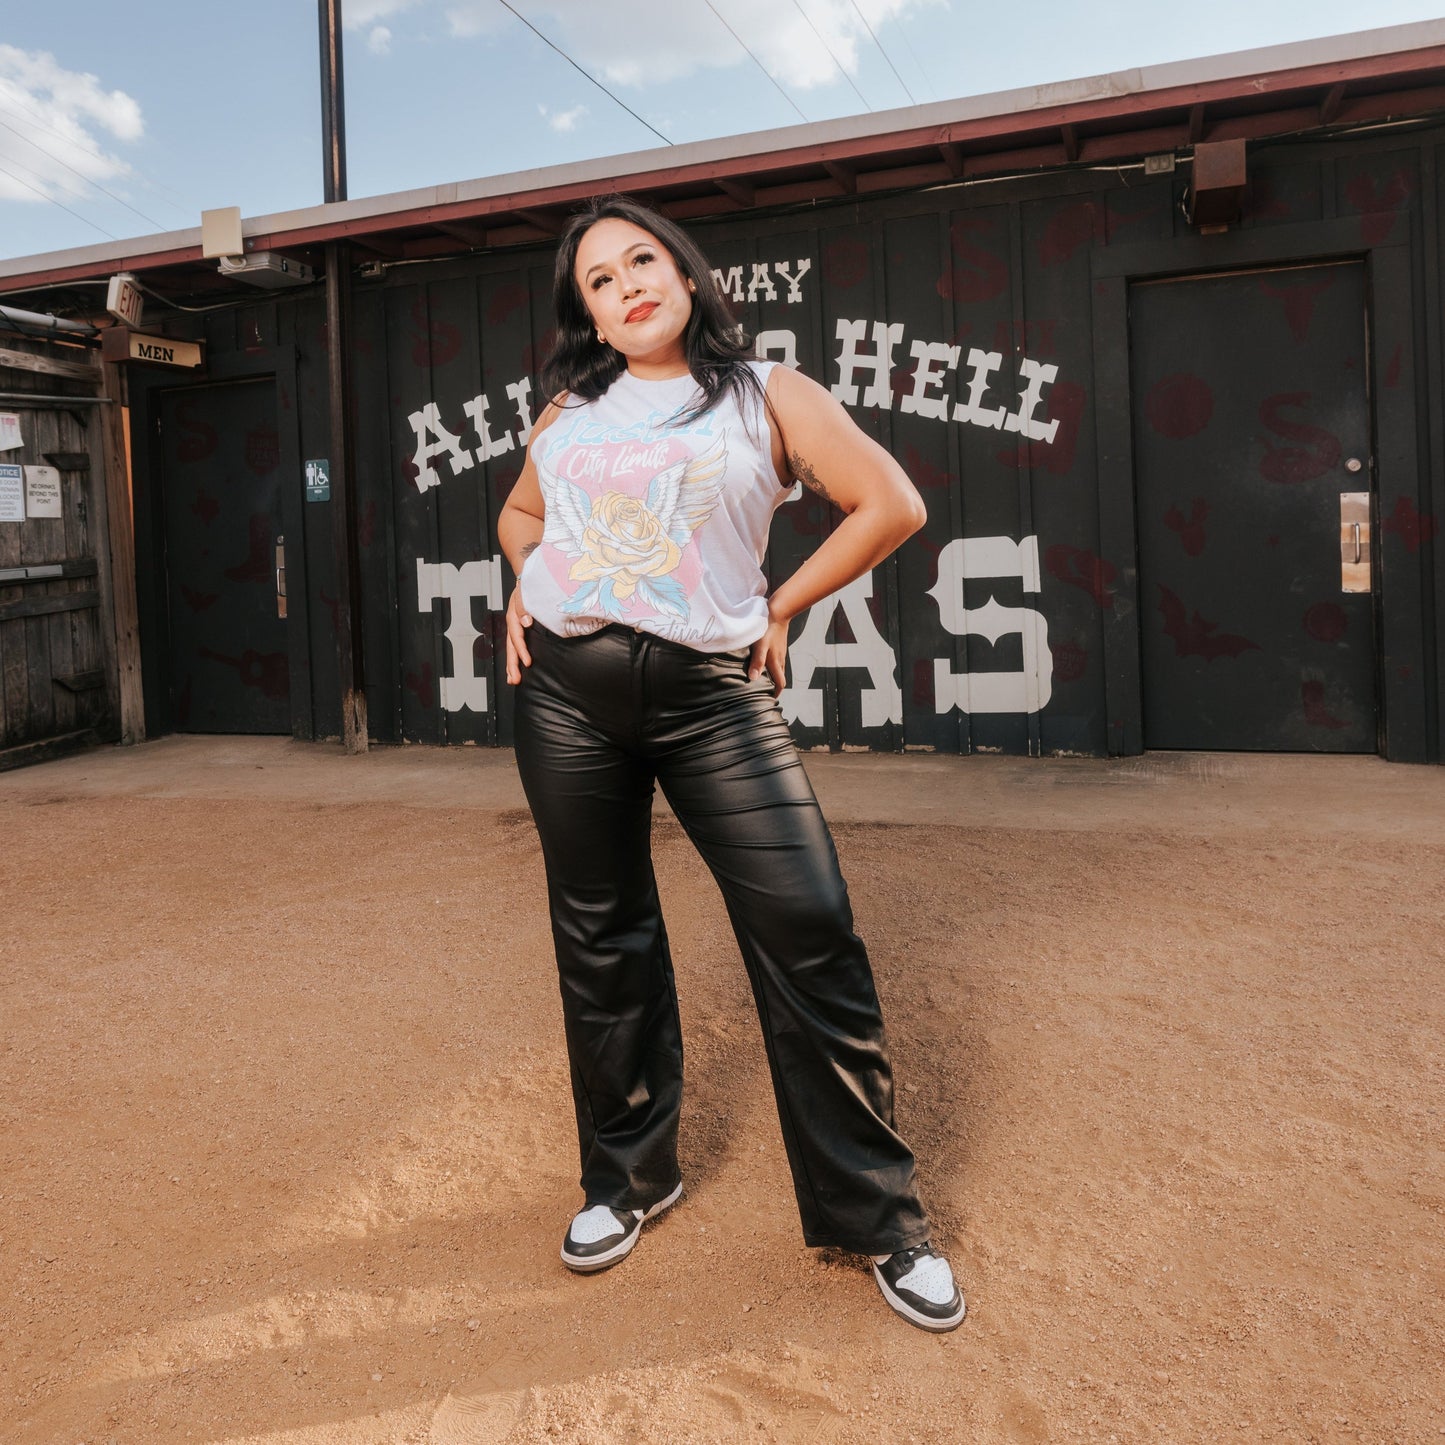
{"x": 716, "y": 347}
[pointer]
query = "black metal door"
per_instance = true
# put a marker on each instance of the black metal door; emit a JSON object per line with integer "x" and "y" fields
{"x": 222, "y": 487}
{"x": 1251, "y": 418}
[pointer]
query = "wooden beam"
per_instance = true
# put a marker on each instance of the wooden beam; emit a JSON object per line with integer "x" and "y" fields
{"x": 1071, "y": 142}
{"x": 459, "y": 231}
{"x": 548, "y": 222}
{"x": 1392, "y": 105}
{"x": 47, "y": 366}
{"x": 120, "y": 530}
{"x": 1196, "y": 123}
{"x": 952, "y": 154}
{"x": 846, "y": 176}
{"x": 925, "y": 173}
{"x": 1129, "y": 144}
{"x": 743, "y": 192}
{"x": 24, "y": 754}
{"x": 1330, "y": 105}
{"x": 70, "y": 461}
{"x": 391, "y": 247}
{"x": 524, "y": 234}
{"x": 45, "y": 606}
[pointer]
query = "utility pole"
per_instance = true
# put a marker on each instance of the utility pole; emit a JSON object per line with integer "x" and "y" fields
{"x": 349, "y": 652}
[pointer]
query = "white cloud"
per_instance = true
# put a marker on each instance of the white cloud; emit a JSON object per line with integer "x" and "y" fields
{"x": 379, "y": 41}
{"x": 639, "y": 42}
{"x": 56, "y": 122}
{"x": 562, "y": 120}
{"x": 358, "y": 14}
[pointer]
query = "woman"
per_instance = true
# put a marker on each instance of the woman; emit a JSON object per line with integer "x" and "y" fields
{"x": 645, "y": 650}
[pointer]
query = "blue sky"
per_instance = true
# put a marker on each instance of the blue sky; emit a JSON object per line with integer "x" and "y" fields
{"x": 122, "y": 120}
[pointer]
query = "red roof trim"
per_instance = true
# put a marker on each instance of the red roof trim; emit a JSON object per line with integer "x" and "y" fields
{"x": 1042, "y": 135}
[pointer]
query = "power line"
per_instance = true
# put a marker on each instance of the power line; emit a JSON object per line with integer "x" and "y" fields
{"x": 189, "y": 207}
{"x": 757, "y": 62}
{"x": 579, "y": 69}
{"x": 917, "y": 62}
{"x": 54, "y": 202}
{"x": 837, "y": 63}
{"x": 159, "y": 225}
{"x": 883, "y": 52}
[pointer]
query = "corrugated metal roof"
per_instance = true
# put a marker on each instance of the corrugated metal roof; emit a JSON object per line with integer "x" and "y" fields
{"x": 1360, "y": 77}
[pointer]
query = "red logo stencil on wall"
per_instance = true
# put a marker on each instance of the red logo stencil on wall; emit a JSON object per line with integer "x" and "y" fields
{"x": 976, "y": 274}
{"x": 922, "y": 472}
{"x": 1326, "y": 621}
{"x": 1380, "y": 202}
{"x": 1410, "y": 525}
{"x": 1194, "y": 636}
{"x": 1298, "y": 298}
{"x": 1191, "y": 532}
{"x": 200, "y": 438}
{"x": 421, "y": 684}
{"x": 434, "y": 343}
{"x": 1071, "y": 661}
{"x": 205, "y": 507}
{"x": 1065, "y": 405}
{"x": 1312, "y": 697}
{"x": 1179, "y": 406}
{"x": 1083, "y": 569}
{"x": 1068, "y": 229}
{"x": 845, "y": 262}
{"x": 1318, "y": 450}
{"x": 198, "y": 601}
{"x": 264, "y": 670}
{"x": 923, "y": 681}
{"x": 507, "y": 299}
{"x": 258, "y": 563}
{"x": 263, "y": 450}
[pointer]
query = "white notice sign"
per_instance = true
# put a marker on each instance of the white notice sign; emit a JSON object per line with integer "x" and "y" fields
{"x": 42, "y": 492}
{"x": 12, "y": 493}
{"x": 9, "y": 431}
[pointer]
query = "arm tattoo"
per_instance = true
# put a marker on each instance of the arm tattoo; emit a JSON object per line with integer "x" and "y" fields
{"x": 809, "y": 477}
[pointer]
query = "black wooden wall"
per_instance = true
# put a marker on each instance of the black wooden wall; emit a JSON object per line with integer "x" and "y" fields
{"x": 1029, "y": 542}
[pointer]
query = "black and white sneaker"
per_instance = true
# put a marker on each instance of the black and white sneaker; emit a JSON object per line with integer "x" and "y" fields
{"x": 601, "y": 1236}
{"x": 918, "y": 1284}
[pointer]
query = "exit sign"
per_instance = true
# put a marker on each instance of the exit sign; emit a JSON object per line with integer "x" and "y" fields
{"x": 123, "y": 299}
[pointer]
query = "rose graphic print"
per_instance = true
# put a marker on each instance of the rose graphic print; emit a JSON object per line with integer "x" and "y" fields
{"x": 625, "y": 548}
{"x": 625, "y": 543}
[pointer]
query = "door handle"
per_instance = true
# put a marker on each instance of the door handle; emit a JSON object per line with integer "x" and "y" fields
{"x": 1355, "y": 542}
{"x": 280, "y": 576}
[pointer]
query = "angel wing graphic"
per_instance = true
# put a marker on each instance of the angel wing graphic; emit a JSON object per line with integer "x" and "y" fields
{"x": 625, "y": 548}
{"x": 682, "y": 498}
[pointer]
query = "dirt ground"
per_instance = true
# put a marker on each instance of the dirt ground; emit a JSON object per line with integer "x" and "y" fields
{"x": 287, "y": 1146}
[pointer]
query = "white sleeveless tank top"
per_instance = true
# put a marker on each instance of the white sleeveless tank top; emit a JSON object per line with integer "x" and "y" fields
{"x": 655, "y": 524}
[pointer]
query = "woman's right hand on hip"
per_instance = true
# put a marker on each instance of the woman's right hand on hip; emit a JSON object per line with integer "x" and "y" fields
{"x": 518, "y": 620}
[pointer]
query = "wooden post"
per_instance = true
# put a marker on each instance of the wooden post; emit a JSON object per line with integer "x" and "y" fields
{"x": 120, "y": 529}
{"x": 349, "y": 652}
{"x": 350, "y": 662}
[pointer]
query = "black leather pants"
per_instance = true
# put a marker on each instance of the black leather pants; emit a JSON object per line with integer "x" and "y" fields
{"x": 599, "y": 719}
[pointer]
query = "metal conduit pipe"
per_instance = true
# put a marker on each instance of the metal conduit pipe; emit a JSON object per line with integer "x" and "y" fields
{"x": 38, "y": 321}
{"x": 35, "y": 398}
